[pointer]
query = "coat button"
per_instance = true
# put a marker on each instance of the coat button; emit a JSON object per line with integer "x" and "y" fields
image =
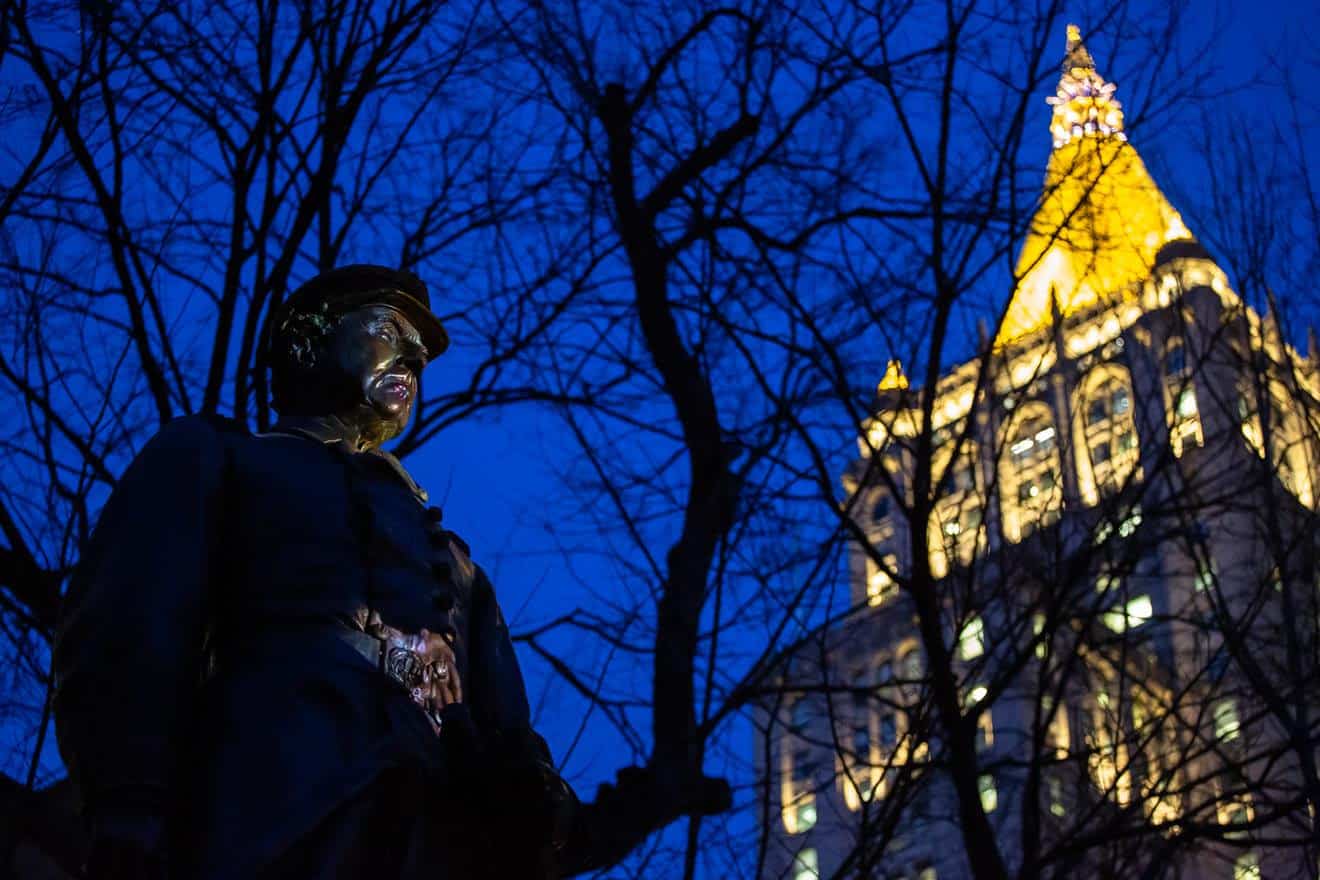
{"x": 443, "y": 600}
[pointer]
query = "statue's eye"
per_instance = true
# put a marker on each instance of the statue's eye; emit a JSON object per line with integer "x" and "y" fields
{"x": 386, "y": 333}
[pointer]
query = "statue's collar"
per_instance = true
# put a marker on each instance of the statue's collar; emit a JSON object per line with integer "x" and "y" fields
{"x": 319, "y": 431}
{"x": 311, "y": 428}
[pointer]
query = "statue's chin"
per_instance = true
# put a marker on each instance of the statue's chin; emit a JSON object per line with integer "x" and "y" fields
{"x": 386, "y": 423}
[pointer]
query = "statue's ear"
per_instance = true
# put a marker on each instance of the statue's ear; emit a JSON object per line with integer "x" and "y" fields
{"x": 306, "y": 333}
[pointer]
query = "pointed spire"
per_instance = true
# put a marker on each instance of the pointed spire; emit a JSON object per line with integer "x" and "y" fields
{"x": 1077, "y": 58}
{"x": 1084, "y": 102}
{"x": 1102, "y": 220}
{"x": 893, "y": 380}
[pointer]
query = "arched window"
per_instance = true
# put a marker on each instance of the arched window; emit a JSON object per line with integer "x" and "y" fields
{"x": 1293, "y": 461}
{"x": 798, "y": 770}
{"x": 1106, "y": 439}
{"x": 1184, "y": 416}
{"x": 1031, "y": 493}
{"x": 858, "y": 769}
{"x": 955, "y": 533}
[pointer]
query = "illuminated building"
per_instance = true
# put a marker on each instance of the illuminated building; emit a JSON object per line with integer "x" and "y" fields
{"x": 1136, "y": 418}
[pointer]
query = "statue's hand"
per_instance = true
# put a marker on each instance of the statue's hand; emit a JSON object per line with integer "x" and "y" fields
{"x": 126, "y": 846}
{"x": 425, "y": 664}
{"x": 441, "y": 685}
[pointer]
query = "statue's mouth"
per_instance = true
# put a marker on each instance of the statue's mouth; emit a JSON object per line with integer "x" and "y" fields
{"x": 401, "y": 385}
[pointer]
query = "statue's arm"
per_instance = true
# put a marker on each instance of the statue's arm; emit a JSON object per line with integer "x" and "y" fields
{"x": 127, "y": 649}
{"x": 589, "y": 836}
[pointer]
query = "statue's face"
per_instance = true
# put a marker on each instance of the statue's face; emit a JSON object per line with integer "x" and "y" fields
{"x": 380, "y": 352}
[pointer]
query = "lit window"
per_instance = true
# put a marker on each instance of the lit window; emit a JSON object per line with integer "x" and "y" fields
{"x": 1235, "y": 815}
{"x": 1134, "y": 613}
{"x": 911, "y": 665}
{"x": 806, "y": 816}
{"x": 1106, "y": 581}
{"x": 976, "y": 694}
{"x": 1228, "y": 726}
{"x": 1055, "y": 786}
{"x": 971, "y": 642}
{"x": 985, "y": 784}
{"x": 1186, "y": 403}
{"x": 1127, "y": 527}
{"x": 797, "y": 790}
{"x": 926, "y": 872}
{"x": 1184, "y": 416}
{"x": 985, "y": 730}
{"x": 1037, "y": 629}
{"x": 1029, "y": 484}
{"x": 1246, "y": 867}
{"x": 1205, "y": 575}
{"x": 880, "y": 584}
{"x": 1109, "y": 437}
{"x": 806, "y": 865}
{"x": 1058, "y": 734}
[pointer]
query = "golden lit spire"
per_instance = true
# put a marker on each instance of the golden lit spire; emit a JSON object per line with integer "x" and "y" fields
{"x": 1084, "y": 102}
{"x": 893, "y": 380}
{"x": 1101, "y": 218}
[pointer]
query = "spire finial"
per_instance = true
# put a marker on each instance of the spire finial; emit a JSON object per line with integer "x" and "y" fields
{"x": 1084, "y": 103}
{"x": 1077, "y": 58}
{"x": 893, "y": 380}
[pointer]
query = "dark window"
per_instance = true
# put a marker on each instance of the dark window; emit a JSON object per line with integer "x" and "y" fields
{"x": 1121, "y": 400}
{"x": 804, "y": 769}
{"x": 881, "y": 509}
{"x": 962, "y": 478}
{"x": 1175, "y": 362}
{"x": 1100, "y": 453}
{"x": 1098, "y": 410}
{"x": 861, "y": 740}
{"x": 888, "y": 731}
{"x": 800, "y": 717}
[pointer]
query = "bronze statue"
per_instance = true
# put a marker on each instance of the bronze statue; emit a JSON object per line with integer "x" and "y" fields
{"x": 276, "y": 661}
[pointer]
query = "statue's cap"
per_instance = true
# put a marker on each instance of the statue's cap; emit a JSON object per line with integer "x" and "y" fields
{"x": 347, "y": 287}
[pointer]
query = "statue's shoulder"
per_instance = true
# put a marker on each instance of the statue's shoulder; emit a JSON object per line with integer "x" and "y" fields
{"x": 199, "y": 435}
{"x": 204, "y": 428}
